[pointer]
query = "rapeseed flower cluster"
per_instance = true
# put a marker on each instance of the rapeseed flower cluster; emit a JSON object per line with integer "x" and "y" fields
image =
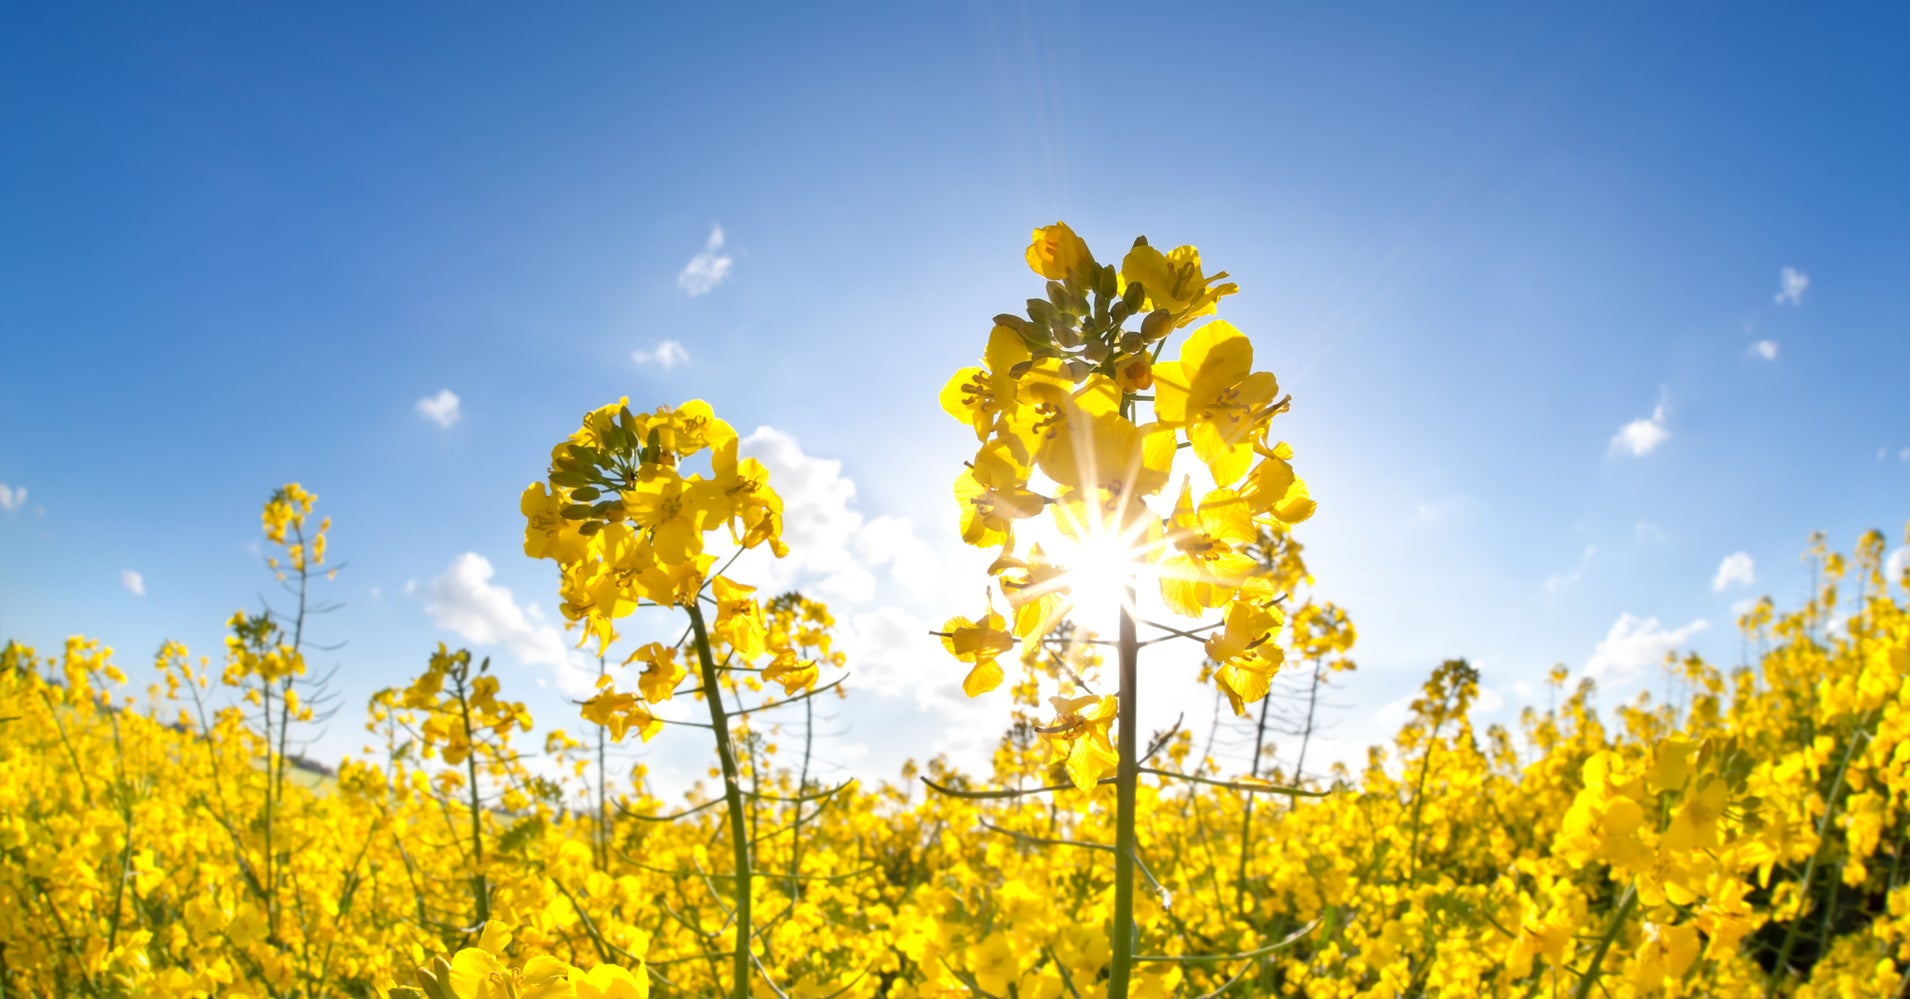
{"x": 1746, "y": 832}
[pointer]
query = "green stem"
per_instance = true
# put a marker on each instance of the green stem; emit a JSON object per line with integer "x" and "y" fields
{"x": 733, "y": 797}
{"x": 1589, "y": 980}
{"x": 1810, "y": 868}
{"x": 1126, "y": 777}
{"x": 1246, "y": 817}
{"x": 603, "y": 780}
{"x": 480, "y": 890}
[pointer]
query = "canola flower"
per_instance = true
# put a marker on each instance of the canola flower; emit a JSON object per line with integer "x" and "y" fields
{"x": 1057, "y": 408}
{"x": 1744, "y": 833}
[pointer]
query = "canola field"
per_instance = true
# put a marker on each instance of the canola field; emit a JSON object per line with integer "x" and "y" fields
{"x": 1741, "y": 835}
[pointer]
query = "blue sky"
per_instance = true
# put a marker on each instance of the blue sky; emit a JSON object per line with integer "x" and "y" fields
{"x": 1522, "y": 269}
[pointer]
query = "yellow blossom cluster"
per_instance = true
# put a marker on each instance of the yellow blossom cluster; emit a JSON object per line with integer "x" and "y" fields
{"x": 1057, "y": 408}
{"x": 1746, "y": 831}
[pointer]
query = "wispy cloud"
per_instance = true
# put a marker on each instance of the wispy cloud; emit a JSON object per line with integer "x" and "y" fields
{"x": 1791, "y": 284}
{"x": 1894, "y": 565}
{"x": 1765, "y": 349}
{"x": 1737, "y": 569}
{"x": 135, "y": 583}
{"x": 1641, "y": 437}
{"x": 1565, "y": 579}
{"x": 665, "y": 355}
{"x": 465, "y": 601}
{"x": 708, "y": 269}
{"x": 441, "y": 409}
{"x": 1634, "y": 643}
{"x": 12, "y": 498}
{"x": 1645, "y": 530}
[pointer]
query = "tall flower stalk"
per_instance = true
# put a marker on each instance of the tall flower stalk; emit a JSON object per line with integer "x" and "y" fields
{"x": 1071, "y": 484}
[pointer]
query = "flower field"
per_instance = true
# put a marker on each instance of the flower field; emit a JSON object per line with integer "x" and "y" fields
{"x": 1741, "y": 834}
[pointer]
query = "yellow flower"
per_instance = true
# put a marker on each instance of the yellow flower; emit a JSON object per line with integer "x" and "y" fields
{"x": 1209, "y": 551}
{"x": 619, "y": 712}
{"x": 978, "y": 642}
{"x": 793, "y": 672}
{"x": 1214, "y": 392}
{"x": 546, "y": 533}
{"x": 661, "y": 671}
{"x": 672, "y": 514}
{"x": 607, "y": 981}
{"x": 1056, "y": 253}
{"x": 739, "y": 618}
{"x": 1248, "y": 660}
{"x": 1173, "y": 281}
{"x": 982, "y": 397}
{"x": 1035, "y": 589}
{"x": 988, "y": 514}
{"x": 1079, "y": 734}
{"x": 1273, "y": 488}
{"x": 738, "y": 493}
{"x": 1108, "y": 452}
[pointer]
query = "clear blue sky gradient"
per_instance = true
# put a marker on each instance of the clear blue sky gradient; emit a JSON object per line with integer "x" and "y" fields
{"x": 242, "y": 241}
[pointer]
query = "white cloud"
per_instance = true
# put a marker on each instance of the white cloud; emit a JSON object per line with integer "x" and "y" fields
{"x": 1904, "y": 455}
{"x": 1565, "y": 579}
{"x": 12, "y": 498}
{"x": 441, "y": 409}
{"x": 665, "y": 355}
{"x": 1737, "y": 569}
{"x": 1791, "y": 283}
{"x": 834, "y": 552}
{"x": 708, "y": 269}
{"x": 1894, "y": 565}
{"x": 1645, "y": 530}
{"x": 1635, "y": 643}
{"x": 135, "y": 583}
{"x": 376, "y": 593}
{"x": 1641, "y": 437}
{"x": 464, "y": 601}
{"x": 1766, "y": 349}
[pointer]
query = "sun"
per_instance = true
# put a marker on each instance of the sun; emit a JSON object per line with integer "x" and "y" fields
{"x": 1102, "y": 563}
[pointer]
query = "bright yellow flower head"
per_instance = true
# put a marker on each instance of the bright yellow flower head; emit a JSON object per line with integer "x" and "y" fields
{"x": 619, "y": 712}
{"x": 1213, "y": 391}
{"x": 978, "y": 642}
{"x": 985, "y": 396}
{"x": 1056, "y": 253}
{"x": 1173, "y": 281}
{"x": 1079, "y": 736}
{"x": 1208, "y": 551}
